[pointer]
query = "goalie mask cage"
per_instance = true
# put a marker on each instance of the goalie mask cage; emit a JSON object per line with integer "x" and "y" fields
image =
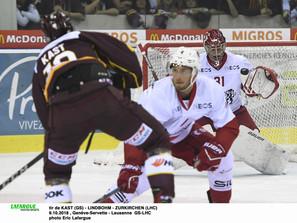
{"x": 276, "y": 116}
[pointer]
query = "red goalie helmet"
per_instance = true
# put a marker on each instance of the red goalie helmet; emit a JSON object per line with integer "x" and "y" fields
{"x": 215, "y": 44}
{"x": 55, "y": 25}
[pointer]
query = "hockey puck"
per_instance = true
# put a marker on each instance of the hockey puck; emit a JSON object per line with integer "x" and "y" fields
{"x": 244, "y": 71}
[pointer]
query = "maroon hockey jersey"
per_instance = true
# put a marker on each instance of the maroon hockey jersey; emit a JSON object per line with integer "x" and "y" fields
{"x": 76, "y": 48}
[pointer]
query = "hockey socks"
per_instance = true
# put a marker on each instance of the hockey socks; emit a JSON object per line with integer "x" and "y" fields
{"x": 160, "y": 173}
{"x": 218, "y": 196}
{"x": 58, "y": 194}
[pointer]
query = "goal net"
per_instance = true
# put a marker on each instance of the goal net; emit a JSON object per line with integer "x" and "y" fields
{"x": 276, "y": 116}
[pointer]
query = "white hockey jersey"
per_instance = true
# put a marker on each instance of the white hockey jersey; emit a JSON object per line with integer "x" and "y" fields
{"x": 228, "y": 76}
{"x": 177, "y": 115}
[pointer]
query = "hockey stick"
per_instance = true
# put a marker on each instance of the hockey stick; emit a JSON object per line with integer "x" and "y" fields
{"x": 148, "y": 62}
{"x": 108, "y": 195}
{"x": 22, "y": 170}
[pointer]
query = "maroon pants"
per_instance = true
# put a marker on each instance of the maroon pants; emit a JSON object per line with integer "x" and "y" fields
{"x": 96, "y": 106}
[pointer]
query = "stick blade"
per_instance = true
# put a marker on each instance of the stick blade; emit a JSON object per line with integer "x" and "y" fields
{"x": 108, "y": 195}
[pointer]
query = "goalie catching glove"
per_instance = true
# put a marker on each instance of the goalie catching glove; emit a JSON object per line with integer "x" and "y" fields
{"x": 260, "y": 82}
{"x": 129, "y": 177}
{"x": 210, "y": 156}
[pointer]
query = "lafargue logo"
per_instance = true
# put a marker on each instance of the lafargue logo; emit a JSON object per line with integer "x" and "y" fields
{"x": 24, "y": 207}
{"x": 18, "y": 112}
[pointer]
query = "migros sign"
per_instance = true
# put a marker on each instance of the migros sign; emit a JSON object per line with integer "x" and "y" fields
{"x": 124, "y": 36}
{"x": 130, "y": 37}
{"x": 265, "y": 34}
{"x": 257, "y": 35}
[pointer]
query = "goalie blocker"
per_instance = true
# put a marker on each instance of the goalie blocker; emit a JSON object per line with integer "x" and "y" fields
{"x": 260, "y": 153}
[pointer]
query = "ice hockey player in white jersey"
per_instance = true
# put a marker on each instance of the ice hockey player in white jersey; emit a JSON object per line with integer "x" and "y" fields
{"x": 177, "y": 101}
{"x": 226, "y": 69}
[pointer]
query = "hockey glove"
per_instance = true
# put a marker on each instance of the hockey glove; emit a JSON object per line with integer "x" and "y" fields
{"x": 129, "y": 177}
{"x": 210, "y": 156}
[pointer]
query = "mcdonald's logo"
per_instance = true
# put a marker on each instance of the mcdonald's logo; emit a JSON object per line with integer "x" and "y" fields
{"x": 154, "y": 37}
{"x": 2, "y": 39}
{"x": 295, "y": 37}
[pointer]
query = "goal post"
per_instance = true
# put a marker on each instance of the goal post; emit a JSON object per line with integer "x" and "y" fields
{"x": 276, "y": 116}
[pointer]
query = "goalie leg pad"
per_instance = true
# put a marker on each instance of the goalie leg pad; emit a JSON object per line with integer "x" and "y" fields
{"x": 160, "y": 172}
{"x": 259, "y": 153}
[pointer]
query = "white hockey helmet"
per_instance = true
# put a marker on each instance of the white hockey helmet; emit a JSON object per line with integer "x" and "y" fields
{"x": 187, "y": 57}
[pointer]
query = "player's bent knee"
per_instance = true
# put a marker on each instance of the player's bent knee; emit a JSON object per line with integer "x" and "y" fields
{"x": 57, "y": 190}
{"x": 227, "y": 162}
{"x": 158, "y": 151}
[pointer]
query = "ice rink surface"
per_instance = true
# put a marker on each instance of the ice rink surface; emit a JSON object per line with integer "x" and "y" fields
{"x": 90, "y": 181}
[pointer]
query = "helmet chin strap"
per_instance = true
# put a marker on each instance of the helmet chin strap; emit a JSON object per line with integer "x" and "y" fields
{"x": 190, "y": 85}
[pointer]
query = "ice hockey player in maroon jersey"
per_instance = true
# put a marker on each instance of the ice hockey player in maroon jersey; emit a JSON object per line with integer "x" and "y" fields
{"x": 81, "y": 84}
